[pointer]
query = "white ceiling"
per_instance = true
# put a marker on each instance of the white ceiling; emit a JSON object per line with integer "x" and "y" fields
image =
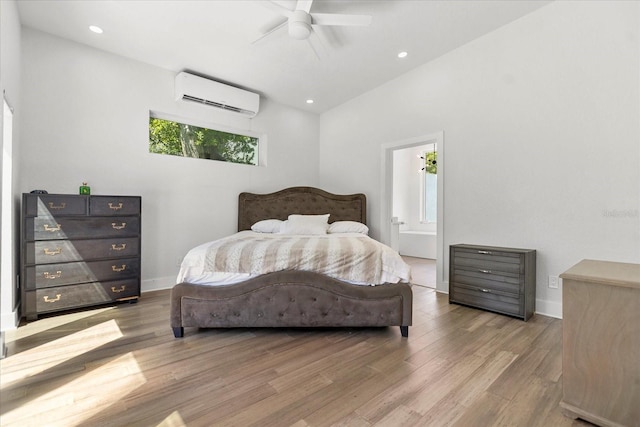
{"x": 213, "y": 38}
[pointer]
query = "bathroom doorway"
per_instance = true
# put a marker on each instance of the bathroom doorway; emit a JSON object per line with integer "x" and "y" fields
{"x": 392, "y": 224}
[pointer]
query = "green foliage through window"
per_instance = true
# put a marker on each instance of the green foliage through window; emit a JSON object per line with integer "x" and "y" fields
{"x": 181, "y": 139}
{"x": 431, "y": 162}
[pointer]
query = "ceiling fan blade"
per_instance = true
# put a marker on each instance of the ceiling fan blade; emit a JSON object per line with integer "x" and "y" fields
{"x": 269, "y": 31}
{"x": 313, "y": 48}
{"x": 339, "y": 19}
{"x": 304, "y": 5}
{"x": 272, "y": 25}
{"x": 326, "y": 37}
{"x": 319, "y": 41}
{"x": 277, "y": 8}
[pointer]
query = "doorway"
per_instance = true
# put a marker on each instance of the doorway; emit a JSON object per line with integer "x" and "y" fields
{"x": 7, "y": 305}
{"x": 387, "y": 173}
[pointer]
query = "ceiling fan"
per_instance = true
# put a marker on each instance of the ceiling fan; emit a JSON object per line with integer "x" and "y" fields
{"x": 301, "y": 22}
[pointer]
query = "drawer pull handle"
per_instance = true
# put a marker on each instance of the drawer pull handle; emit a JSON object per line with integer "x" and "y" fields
{"x": 60, "y": 206}
{"x": 115, "y": 226}
{"x": 485, "y": 252}
{"x": 115, "y": 207}
{"x": 56, "y": 299}
{"x": 487, "y": 291}
{"x": 117, "y": 291}
{"x": 118, "y": 269}
{"x": 119, "y": 248}
{"x": 52, "y": 252}
{"x": 52, "y": 229}
{"x": 56, "y": 275}
{"x": 485, "y": 271}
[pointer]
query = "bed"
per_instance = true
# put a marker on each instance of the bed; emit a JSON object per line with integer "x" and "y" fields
{"x": 291, "y": 297}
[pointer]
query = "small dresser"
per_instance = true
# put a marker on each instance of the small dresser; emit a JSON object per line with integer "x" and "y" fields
{"x": 601, "y": 343}
{"x": 493, "y": 278}
{"x": 78, "y": 251}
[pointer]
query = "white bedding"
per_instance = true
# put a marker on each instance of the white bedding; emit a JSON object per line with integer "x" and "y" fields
{"x": 344, "y": 259}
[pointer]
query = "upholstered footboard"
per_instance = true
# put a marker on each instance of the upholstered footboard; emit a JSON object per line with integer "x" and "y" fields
{"x": 290, "y": 299}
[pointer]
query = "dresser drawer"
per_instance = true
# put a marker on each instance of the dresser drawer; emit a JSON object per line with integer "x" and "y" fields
{"x": 114, "y": 205}
{"x": 50, "y": 205}
{"x": 64, "y": 297}
{"x": 56, "y": 251}
{"x": 488, "y": 261}
{"x": 502, "y": 283}
{"x": 487, "y": 299}
{"x": 51, "y": 275}
{"x": 41, "y": 228}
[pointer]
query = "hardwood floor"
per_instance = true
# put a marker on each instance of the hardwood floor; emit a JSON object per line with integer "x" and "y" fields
{"x": 423, "y": 271}
{"x": 121, "y": 366}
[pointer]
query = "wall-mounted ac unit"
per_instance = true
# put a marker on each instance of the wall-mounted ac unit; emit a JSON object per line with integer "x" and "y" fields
{"x": 190, "y": 87}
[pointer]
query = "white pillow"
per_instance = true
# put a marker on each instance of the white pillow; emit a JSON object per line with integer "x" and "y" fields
{"x": 305, "y": 224}
{"x": 347, "y": 227}
{"x": 267, "y": 226}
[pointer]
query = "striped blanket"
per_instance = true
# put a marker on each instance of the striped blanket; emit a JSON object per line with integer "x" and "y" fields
{"x": 352, "y": 257}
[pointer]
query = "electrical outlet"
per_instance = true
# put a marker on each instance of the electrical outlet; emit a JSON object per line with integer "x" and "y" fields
{"x": 553, "y": 282}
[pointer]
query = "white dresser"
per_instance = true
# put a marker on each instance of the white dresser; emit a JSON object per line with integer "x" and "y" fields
{"x": 601, "y": 343}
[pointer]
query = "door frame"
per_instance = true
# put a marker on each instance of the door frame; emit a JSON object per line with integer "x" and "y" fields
{"x": 386, "y": 196}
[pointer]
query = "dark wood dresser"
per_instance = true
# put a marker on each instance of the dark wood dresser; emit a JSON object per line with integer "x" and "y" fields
{"x": 78, "y": 251}
{"x": 493, "y": 278}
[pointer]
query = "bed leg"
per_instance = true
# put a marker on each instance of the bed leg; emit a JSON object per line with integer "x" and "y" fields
{"x": 404, "y": 330}
{"x": 178, "y": 332}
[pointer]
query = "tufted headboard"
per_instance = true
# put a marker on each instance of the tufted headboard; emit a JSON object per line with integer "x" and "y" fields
{"x": 300, "y": 200}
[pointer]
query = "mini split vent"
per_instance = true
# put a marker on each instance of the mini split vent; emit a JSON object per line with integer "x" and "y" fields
{"x": 190, "y": 87}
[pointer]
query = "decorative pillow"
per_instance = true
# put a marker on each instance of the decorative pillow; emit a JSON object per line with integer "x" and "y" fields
{"x": 347, "y": 227}
{"x": 267, "y": 226}
{"x": 305, "y": 224}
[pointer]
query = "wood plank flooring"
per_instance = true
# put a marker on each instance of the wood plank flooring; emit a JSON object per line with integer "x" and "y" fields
{"x": 121, "y": 366}
{"x": 423, "y": 271}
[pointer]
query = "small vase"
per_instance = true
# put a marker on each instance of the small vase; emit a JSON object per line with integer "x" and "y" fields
{"x": 85, "y": 189}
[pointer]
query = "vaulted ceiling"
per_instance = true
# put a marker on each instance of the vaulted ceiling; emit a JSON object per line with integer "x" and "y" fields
{"x": 215, "y": 38}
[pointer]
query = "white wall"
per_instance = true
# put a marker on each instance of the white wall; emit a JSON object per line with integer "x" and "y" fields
{"x": 10, "y": 75}
{"x": 542, "y": 127}
{"x": 86, "y": 118}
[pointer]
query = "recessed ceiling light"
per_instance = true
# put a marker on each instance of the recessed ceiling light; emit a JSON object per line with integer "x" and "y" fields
{"x": 95, "y": 29}
{"x": 402, "y": 55}
{"x": 309, "y": 101}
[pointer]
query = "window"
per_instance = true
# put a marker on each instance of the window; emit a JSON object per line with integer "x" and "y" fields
{"x": 430, "y": 185}
{"x": 187, "y": 140}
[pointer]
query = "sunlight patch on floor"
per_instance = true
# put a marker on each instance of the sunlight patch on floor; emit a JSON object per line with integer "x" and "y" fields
{"x": 36, "y": 327}
{"x": 28, "y": 363}
{"x": 90, "y": 394}
{"x": 173, "y": 420}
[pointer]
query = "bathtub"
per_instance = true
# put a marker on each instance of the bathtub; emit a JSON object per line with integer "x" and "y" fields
{"x": 420, "y": 244}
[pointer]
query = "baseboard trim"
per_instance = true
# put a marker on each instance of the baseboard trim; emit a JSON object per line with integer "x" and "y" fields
{"x": 9, "y": 321}
{"x": 157, "y": 284}
{"x": 549, "y": 308}
{"x": 443, "y": 287}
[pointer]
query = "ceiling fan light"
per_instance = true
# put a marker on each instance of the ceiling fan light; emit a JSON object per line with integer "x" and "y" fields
{"x": 300, "y": 25}
{"x": 299, "y": 30}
